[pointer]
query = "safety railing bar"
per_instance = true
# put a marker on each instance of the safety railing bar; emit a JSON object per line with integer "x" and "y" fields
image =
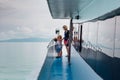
{"x": 92, "y": 46}
{"x": 51, "y": 43}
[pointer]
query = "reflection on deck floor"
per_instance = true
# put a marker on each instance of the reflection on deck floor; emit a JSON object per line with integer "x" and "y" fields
{"x": 60, "y": 70}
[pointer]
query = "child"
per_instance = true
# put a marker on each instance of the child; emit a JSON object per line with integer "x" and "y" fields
{"x": 58, "y": 46}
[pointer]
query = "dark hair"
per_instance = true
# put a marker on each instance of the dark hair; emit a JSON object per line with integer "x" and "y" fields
{"x": 55, "y": 39}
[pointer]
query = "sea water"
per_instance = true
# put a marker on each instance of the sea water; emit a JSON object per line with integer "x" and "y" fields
{"x": 21, "y": 61}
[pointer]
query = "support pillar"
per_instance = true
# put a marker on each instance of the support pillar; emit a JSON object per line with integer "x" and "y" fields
{"x": 70, "y": 40}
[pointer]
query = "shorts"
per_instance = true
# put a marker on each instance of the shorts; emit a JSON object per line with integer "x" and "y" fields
{"x": 58, "y": 48}
{"x": 66, "y": 42}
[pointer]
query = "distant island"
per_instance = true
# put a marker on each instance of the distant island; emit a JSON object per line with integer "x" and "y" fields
{"x": 27, "y": 40}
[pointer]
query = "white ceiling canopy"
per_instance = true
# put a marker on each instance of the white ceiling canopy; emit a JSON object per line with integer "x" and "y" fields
{"x": 85, "y": 10}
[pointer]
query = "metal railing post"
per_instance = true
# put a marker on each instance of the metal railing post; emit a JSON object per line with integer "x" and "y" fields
{"x": 80, "y": 48}
{"x": 70, "y": 40}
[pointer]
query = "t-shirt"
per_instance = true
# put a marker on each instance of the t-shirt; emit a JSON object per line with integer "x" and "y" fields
{"x": 66, "y": 35}
{"x": 58, "y": 46}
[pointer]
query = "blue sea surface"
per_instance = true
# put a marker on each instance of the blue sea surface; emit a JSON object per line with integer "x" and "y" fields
{"x": 21, "y": 61}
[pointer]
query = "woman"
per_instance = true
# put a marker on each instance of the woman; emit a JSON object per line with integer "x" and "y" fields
{"x": 66, "y": 38}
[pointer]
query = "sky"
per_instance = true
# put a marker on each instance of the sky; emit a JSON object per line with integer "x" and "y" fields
{"x": 27, "y": 18}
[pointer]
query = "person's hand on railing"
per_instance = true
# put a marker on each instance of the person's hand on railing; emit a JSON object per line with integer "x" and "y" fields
{"x": 51, "y": 43}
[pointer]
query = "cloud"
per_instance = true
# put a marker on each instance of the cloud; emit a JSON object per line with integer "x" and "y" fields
{"x": 24, "y": 30}
{"x": 27, "y": 18}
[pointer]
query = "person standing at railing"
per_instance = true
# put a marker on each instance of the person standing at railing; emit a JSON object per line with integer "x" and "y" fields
{"x": 66, "y": 38}
{"x": 58, "y": 46}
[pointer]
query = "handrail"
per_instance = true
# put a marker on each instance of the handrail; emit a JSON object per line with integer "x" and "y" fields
{"x": 88, "y": 44}
{"x": 51, "y": 43}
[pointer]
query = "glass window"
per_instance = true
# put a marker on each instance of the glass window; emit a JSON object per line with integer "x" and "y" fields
{"x": 106, "y": 36}
{"x": 85, "y": 34}
{"x": 117, "y": 38}
{"x": 93, "y": 32}
{"x": 85, "y": 31}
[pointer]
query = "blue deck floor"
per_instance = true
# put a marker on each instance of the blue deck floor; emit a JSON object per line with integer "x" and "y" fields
{"x": 60, "y": 70}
